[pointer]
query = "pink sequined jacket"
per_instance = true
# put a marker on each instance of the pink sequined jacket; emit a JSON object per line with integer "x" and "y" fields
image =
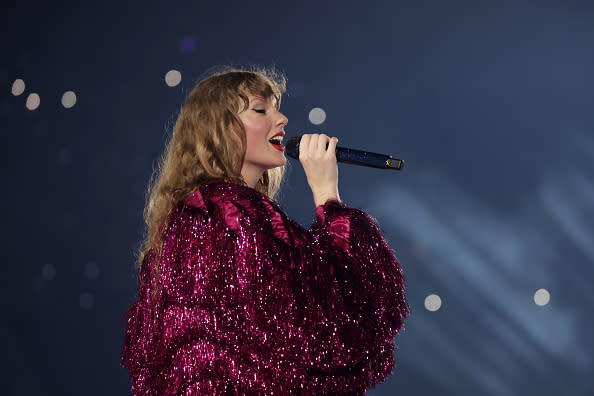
{"x": 251, "y": 303}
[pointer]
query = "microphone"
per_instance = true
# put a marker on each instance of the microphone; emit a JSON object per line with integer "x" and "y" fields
{"x": 350, "y": 156}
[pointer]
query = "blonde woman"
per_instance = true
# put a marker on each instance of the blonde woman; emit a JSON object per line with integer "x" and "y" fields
{"x": 236, "y": 298}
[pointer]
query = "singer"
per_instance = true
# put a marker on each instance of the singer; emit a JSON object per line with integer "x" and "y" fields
{"x": 234, "y": 297}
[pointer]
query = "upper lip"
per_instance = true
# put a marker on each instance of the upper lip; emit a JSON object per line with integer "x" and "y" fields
{"x": 281, "y": 133}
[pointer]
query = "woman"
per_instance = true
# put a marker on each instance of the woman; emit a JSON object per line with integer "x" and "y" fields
{"x": 236, "y": 298}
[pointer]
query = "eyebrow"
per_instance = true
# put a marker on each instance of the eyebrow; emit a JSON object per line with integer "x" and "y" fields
{"x": 259, "y": 99}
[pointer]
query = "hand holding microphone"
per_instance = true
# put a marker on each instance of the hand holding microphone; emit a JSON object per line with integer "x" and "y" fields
{"x": 317, "y": 155}
{"x": 350, "y": 156}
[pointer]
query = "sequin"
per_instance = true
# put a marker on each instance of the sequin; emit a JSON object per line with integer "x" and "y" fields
{"x": 251, "y": 303}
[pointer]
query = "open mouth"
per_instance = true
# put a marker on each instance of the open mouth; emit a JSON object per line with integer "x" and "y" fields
{"x": 277, "y": 141}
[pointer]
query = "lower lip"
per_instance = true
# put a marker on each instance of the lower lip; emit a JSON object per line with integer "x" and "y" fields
{"x": 278, "y": 147}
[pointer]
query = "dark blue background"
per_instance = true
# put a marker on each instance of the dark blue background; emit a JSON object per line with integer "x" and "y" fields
{"x": 491, "y": 105}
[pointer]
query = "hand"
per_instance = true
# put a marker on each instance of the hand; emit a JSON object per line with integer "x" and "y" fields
{"x": 320, "y": 166}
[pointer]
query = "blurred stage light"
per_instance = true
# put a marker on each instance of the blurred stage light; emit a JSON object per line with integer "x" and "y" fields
{"x": 86, "y": 300}
{"x": 33, "y": 101}
{"x": 91, "y": 270}
{"x": 542, "y": 297}
{"x": 187, "y": 45}
{"x": 172, "y": 78}
{"x": 317, "y": 116}
{"x": 48, "y": 272}
{"x": 18, "y": 87}
{"x": 432, "y": 302}
{"x": 68, "y": 99}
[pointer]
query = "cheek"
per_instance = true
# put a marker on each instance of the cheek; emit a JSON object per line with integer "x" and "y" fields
{"x": 256, "y": 132}
{"x": 253, "y": 141}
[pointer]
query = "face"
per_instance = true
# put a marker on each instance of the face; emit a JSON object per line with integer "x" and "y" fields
{"x": 262, "y": 121}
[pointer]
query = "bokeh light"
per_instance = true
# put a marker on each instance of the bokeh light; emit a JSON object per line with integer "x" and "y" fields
{"x": 172, "y": 78}
{"x": 187, "y": 45}
{"x": 18, "y": 87}
{"x": 432, "y": 302}
{"x": 33, "y": 101}
{"x": 68, "y": 99}
{"x": 48, "y": 271}
{"x": 91, "y": 270}
{"x": 317, "y": 116}
{"x": 86, "y": 300}
{"x": 542, "y": 297}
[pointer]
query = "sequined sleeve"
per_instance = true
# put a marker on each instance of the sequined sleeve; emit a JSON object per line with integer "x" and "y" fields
{"x": 253, "y": 303}
{"x": 360, "y": 290}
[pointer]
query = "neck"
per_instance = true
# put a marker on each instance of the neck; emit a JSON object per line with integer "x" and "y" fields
{"x": 251, "y": 176}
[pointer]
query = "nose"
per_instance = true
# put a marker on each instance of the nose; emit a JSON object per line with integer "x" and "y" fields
{"x": 282, "y": 120}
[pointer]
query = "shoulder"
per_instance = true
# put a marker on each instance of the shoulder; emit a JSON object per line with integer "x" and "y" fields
{"x": 220, "y": 190}
{"x": 208, "y": 202}
{"x": 225, "y": 195}
{"x": 242, "y": 207}
{"x": 231, "y": 202}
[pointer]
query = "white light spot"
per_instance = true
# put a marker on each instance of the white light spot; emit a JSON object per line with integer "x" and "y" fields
{"x": 542, "y": 297}
{"x": 48, "y": 271}
{"x": 172, "y": 78}
{"x": 18, "y": 87}
{"x": 91, "y": 270}
{"x": 33, "y": 101}
{"x": 86, "y": 300}
{"x": 432, "y": 302}
{"x": 317, "y": 116}
{"x": 68, "y": 99}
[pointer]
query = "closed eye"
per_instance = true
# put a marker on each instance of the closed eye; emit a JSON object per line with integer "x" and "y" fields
{"x": 261, "y": 111}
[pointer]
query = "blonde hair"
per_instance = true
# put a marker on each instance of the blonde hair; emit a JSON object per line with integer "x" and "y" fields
{"x": 202, "y": 149}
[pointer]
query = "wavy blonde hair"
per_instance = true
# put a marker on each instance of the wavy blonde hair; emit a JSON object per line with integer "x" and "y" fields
{"x": 202, "y": 148}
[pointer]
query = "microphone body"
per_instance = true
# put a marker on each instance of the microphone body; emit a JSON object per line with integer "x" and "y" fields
{"x": 351, "y": 156}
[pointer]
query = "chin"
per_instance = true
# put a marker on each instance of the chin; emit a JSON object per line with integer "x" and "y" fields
{"x": 281, "y": 163}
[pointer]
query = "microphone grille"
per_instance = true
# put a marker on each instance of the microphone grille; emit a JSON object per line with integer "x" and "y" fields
{"x": 292, "y": 147}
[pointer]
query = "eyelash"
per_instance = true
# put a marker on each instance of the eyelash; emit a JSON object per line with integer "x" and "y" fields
{"x": 261, "y": 111}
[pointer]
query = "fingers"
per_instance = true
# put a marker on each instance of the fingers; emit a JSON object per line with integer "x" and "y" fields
{"x": 304, "y": 146}
{"x": 320, "y": 166}
{"x": 314, "y": 145}
{"x": 332, "y": 145}
{"x": 321, "y": 141}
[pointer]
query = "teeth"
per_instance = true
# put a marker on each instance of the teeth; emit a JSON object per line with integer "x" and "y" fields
{"x": 276, "y": 140}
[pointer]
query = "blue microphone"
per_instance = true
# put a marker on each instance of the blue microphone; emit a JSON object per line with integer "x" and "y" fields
{"x": 350, "y": 156}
